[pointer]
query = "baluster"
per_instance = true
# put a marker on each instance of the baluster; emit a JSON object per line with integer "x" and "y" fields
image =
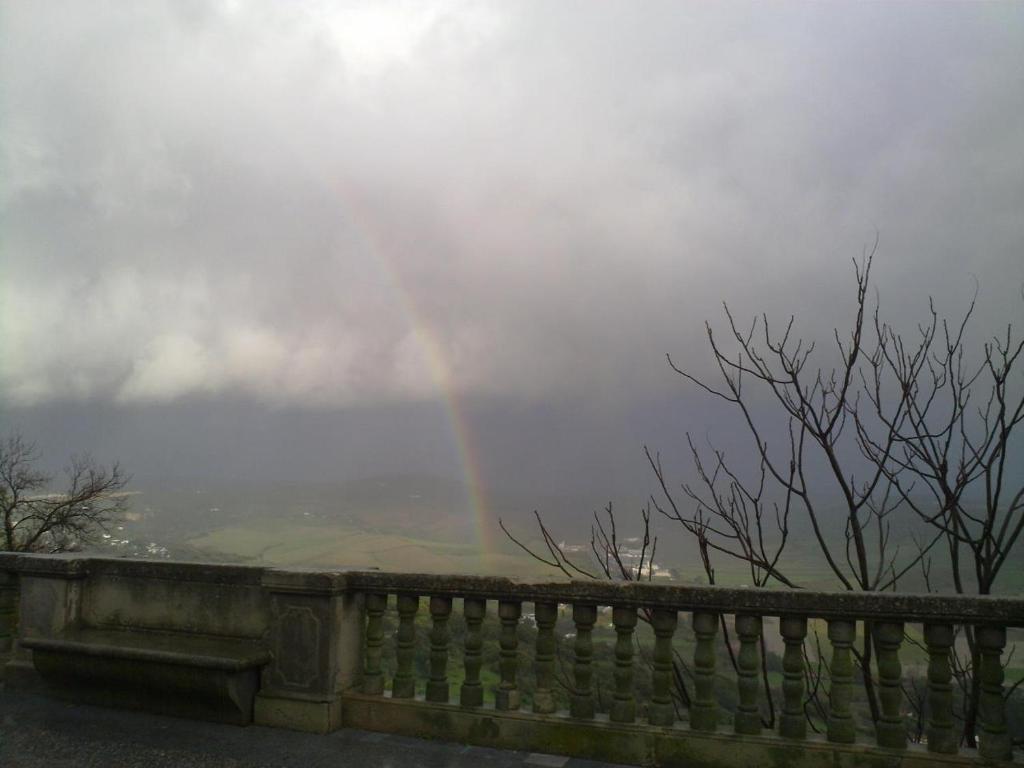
{"x": 8, "y": 610}
{"x": 582, "y": 702}
{"x": 662, "y": 711}
{"x": 471, "y": 694}
{"x": 373, "y": 676}
{"x": 624, "y": 704}
{"x": 995, "y": 742}
{"x": 941, "y": 738}
{"x": 544, "y": 663}
{"x": 748, "y": 715}
{"x": 507, "y": 695}
{"x": 404, "y": 684}
{"x": 437, "y": 686}
{"x": 841, "y": 727}
{"x": 704, "y": 708}
{"x": 792, "y": 723}
{"x": 890, "y": 731}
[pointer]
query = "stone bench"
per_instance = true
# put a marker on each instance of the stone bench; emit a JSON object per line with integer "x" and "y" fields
{"x": 212, "y": 678}
{"x": 177, "y": 638}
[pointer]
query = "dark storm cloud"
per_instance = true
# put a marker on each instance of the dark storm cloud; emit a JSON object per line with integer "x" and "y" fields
{"x": 327, "y": 204}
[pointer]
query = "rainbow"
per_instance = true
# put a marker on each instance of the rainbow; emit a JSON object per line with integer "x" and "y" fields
{"x": 438, "y": 364}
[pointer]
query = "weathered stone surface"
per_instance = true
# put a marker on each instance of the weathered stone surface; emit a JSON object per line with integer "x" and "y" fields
{"x": 507, "y": 695}
{"x": 315, "y": 636}
{"x": 582, "y": 702}
{"x": 957, "y": 609}
{"x": 438, "y": 688}
{"x": 172, "y": 570}
{"x": 995, "y": 741}
{"x": 792, "y": 723}
{"x": 954, "y": 609}
{"x": 373, "y": 675}
{"x": 841, "y": 726}
{"x": 305, "y": 581}
{"x": 889, "y": 729}
{"x": 48, "y": 604}
{"x": 404, "y": 683}
{"x": 177, "y": 638}
{"x": 8, "y": 614}
{"x": 748, "y": 716}
{"x": 546, "y": 615}
{"x": 704, "y": 706}
{"x": 941, "y": 734}
{"x": 471, "y": 693}
{"x": 170, "y": 605}
{"x": 625, "y": 743}
{"x": 297, "y": 713}
{"x": 203, "y": 652}
{"x": 624, "y": 704}
{"x": 165, "y": 686}
{"x": 662, "y": 710}
{"x": 62, "y": 564}
{"x": 194, "y": 635}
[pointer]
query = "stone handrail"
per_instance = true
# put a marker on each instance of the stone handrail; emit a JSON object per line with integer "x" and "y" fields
{"x": 327, "y": 633}
{"x": 880, "y": 606}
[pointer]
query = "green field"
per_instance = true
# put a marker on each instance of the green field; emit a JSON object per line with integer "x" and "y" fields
{"x": 425, "y": 524}
{"x": 269, "y": 542}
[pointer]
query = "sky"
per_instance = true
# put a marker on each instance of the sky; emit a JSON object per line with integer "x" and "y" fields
{"x": 307, "y": 240}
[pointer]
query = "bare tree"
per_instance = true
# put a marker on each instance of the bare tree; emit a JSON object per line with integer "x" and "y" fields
{"x": 954, "y": 461}
{"x": 954, "y": 452}
{"x": 897, "y": 430}
{"x": 818, "y": 404}
{"x": 36, "y": 518}
{"x": 934, "y": 433}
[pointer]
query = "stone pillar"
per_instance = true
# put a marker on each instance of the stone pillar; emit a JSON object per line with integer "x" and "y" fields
{"x": 792, "y": 723}
{"x": 8, "y": 610}
{"x": 995, "y": 742}
{"x": 889, "y": 730}
{"x": 662, "y": 711}
{"x": 373, "y": 676}
{"x": 316, "y": 640}
{"x": 471, "y": 694}
{"x": 582, "y": 703}
{"x": 748, "y": 714}
{"x": 942, "y": 736}
{"x": 403, "y": 685}
{"x": 8, "y": 616}
{"x": 438, "y": 688}
{"x": 841, "y": 727}
{"x": 49, "y": 603}
{"x": 546, "y": 647}
{"x": 624, "y": 704}
{"x": 704, "y": 707}
{"x": 507, "y": 696}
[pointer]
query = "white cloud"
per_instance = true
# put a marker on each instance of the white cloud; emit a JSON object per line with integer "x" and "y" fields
{"x": 170, "y": 366}
{"x": 347, "y": 203}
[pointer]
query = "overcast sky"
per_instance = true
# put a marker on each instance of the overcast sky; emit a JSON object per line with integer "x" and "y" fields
{"x": 340, "y": 207}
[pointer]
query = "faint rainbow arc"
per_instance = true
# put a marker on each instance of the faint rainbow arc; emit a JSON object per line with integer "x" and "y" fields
{"x": 437, "y": 362}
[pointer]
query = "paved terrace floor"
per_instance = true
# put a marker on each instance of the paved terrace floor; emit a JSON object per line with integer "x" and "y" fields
{"x": 38, "y": 732}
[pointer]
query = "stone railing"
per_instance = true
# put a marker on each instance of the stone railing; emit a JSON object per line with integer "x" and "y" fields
{"x": 626, "y": 734}
{"x": 342, "y": 648}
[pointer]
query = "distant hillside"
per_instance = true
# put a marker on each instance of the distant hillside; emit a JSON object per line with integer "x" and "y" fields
{"x": 423, "y": 522}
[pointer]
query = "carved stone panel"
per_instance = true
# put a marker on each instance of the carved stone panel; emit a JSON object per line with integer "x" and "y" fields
{"x": 298, "y": 646}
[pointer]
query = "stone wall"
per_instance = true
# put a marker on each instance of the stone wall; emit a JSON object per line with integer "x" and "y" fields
{"x": 315, "y": 642}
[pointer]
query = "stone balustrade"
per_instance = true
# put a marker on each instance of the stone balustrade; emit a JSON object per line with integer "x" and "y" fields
{"x": 886, "y": 615}
{"x": 378, "y": 651}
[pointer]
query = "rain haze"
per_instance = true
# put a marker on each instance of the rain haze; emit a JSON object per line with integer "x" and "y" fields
{"x": 442, "y": 249}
